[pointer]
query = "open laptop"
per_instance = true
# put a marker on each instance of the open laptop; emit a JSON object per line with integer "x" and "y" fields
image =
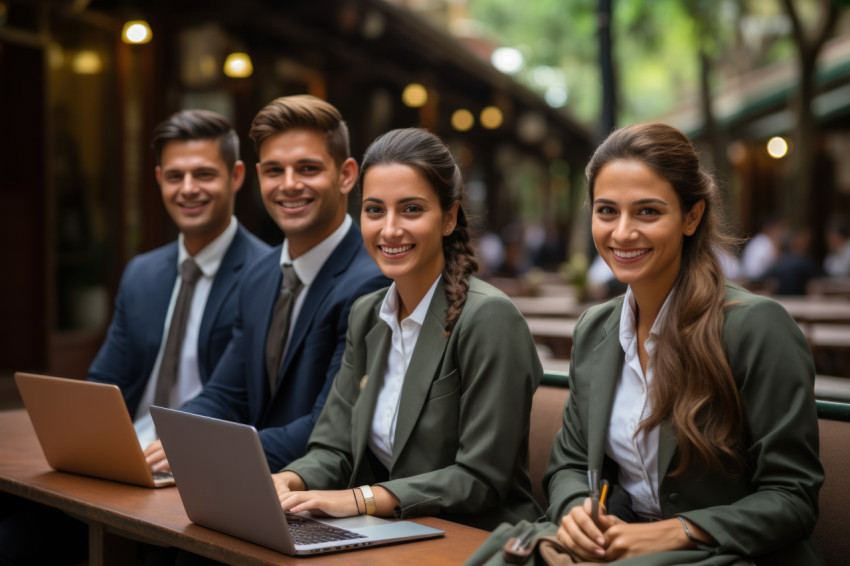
{"x": 84, "y": 427}
{"x": 225, "y": 484}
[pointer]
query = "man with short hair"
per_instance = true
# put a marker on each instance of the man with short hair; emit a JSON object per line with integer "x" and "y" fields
{"x": 199, "y": 173}
{"x": 293, "y": 308}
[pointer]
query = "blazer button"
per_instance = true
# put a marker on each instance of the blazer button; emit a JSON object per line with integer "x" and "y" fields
{"x": 673, "y": 497}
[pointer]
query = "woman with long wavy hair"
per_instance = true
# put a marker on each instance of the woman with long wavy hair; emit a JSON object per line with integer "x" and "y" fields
{"x": 692, "y": 397}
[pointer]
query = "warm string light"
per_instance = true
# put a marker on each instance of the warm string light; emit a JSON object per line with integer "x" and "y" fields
{"x": 87, "y": 62}
{"x": 462, "y": 120}
{"x": 491, "y": 117}
{"x": 414, "y": 95}
{"x": 777, "y": 147}
{"x": 136, "y": 32}
{"x": 238, "y": 66}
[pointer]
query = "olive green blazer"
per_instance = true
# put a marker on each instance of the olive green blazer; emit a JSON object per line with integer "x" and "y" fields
{"x": 770, "y": 512}
{"x": 461, "y": 441}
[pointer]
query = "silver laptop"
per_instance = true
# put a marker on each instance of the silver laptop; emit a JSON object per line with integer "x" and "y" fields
{"x": 84, "y": 428}
{"x": 225, "y": 484}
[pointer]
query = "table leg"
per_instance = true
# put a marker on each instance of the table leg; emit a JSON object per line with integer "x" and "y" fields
{"x": 107, "y": 548}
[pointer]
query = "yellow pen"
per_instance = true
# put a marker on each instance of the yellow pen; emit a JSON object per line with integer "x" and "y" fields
{"x": 604, "y": 492}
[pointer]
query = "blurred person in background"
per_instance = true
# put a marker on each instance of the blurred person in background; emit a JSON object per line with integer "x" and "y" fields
{"x": 795, "y": 267}
{"x": 837, "y": 234}
{"x": 763, "y": 249}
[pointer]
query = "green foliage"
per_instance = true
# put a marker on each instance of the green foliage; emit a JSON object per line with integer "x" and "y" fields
{"x": 656, "y": 46}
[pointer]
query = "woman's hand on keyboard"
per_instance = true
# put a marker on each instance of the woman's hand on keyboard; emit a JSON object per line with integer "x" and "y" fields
{"x": 155, "y": 457}
{"x": 339, "y": 503}
{"x": 286, "y": 482}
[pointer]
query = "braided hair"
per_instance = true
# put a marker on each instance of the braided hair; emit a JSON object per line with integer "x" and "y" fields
{"x": 428, "y": 154}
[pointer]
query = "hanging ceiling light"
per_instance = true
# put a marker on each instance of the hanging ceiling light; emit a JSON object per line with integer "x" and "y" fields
{"x": 491, "y": 117}
{"x": 238, "y": 66}
{"x": 415, "y": 95}
{"x": 462, "y": 120}
{"x": 136, "y": 32}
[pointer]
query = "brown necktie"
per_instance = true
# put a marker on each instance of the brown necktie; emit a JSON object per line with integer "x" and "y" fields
{"x": 189, "y": 274}
{"x": 279, "y": 328}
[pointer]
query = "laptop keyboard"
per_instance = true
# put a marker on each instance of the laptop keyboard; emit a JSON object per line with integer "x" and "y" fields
{"x": 306, "y": 531}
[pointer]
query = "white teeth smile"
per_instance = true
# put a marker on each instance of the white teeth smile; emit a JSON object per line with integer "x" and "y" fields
{"x": 628, "y": 254}
{"x": 293, "y": 204}
{"x": 395, "y": 250}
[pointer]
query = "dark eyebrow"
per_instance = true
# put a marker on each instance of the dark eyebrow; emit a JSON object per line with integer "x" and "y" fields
{"x": 650, "y": 201}
{"x": 200, "y": 169}
{"x": 640, "y": 202}
{"x": 302, "y": 161}
{"x": 400, "y": 201}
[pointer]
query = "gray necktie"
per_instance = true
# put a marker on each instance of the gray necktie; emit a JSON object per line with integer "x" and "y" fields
{"x": 170, "y": 368}
{"x": 279, "y": 328}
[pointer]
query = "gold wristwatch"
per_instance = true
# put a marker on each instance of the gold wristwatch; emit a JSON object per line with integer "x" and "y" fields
{"x": 368, "y": 499}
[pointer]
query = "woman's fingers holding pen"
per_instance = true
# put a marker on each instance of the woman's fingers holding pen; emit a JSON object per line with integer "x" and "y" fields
{"x": 581, "y": 535}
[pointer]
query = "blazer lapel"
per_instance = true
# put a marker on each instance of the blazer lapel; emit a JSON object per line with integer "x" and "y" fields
{"x": 378, "y": 342}
{"x": 609, "y": 365}
{"x": 609, "y": 358}
{"x": 224, "y": 280}
{"x": 336, "y": 263}
{"x": 260, "y": 317}
{"x": 667, "y": 445}
{"x": 426, "y": 361}
{"x": 162, "y": 279}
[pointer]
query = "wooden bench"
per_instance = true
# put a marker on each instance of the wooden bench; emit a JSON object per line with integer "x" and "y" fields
{"x": 831, "y": 531}
{"x": 547, "y": 408}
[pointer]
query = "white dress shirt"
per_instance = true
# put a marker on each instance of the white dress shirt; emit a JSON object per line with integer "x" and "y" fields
{"x": 404, "y": 338}
{"x": 636, "y": 452}
{"x": 837, "y": 264}
{"x": 188, "y": 383}
{"x": 759, "y": 254}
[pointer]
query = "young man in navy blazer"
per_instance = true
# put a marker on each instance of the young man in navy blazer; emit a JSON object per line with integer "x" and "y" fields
{"x": 199, "y": 173}
{"x": 306, "y": 173}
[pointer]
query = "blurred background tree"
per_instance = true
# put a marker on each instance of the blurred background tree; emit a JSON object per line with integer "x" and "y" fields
{"x": 661, "y": 47}
{"x": 671, "y": 54}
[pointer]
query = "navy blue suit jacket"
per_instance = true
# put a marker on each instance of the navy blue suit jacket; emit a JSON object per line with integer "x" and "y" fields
{"x": 134, "y": 337}
{"x": 239, "y": 390}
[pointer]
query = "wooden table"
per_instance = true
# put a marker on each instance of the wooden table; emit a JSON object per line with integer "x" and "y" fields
{"x": 554, "y": 333}
{"x": 817, "y": 309}
{"x": 120, "y": 514}
{"x": 830, "y": 345}
{"x": 832, "y": 336}
{"x": 830, "y": 286}
{"x": 550, "y": 306}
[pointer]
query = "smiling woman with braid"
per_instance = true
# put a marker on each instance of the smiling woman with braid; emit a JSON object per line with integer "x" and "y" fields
{"x": 429, "y": 412}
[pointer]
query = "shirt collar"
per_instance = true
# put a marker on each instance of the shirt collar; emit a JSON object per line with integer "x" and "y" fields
{"x": 390, "y": 304}
{"x": 628, "y": 322}
{"x": 210, "y": 257}
{"x": 308, "y": 265}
